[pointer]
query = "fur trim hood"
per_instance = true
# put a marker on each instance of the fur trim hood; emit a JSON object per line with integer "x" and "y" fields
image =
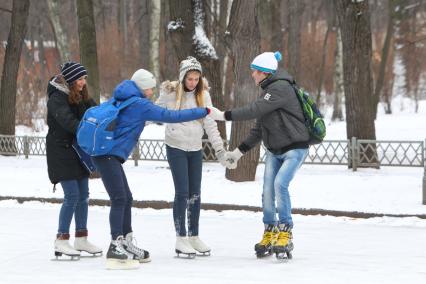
{"x": 55, "y": 84}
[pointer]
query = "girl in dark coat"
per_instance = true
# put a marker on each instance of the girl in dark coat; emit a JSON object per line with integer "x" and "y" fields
{"x": 68, "y": 99}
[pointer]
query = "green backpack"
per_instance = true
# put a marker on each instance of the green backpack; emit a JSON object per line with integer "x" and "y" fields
{"x": 314, "y": 120}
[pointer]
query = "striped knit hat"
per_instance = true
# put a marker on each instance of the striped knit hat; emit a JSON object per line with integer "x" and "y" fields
{"x": 189, "y": 64}
{"x": 72, "y": 71}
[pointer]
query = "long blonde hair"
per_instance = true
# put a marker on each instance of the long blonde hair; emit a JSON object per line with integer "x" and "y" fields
{"x": 199, "y": 91}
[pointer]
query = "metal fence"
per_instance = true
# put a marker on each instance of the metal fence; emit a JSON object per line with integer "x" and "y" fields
{"x": 354, "y": 153}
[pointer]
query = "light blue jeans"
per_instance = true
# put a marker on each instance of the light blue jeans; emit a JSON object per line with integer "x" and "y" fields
{"x": 279, "y": 171}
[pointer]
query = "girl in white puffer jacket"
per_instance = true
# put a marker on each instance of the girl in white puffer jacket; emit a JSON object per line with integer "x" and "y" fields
{"x": 185, "y": 154}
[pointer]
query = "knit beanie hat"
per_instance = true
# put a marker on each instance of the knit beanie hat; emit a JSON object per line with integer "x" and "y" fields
{"x": 144, "y": 79}
{"x": 72, "y": 71}
{"x": 189, "y": 64}
{"x": 266, "y": 62}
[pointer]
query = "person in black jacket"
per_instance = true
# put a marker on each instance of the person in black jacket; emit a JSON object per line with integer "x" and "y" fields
{"x": 280, "y": 126}
{"x": 68, "y": 99}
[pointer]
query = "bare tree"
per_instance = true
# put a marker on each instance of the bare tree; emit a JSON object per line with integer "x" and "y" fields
{"x": 12, "y": 56}
{"x": 354, "y": 21}
{"x": 88, "y": 50}
{"x": 243, "y": 39}
{"x": 181, "y": 27}
{"x": 338, "y": 79}
{"x": 295, "y": 17}
{"x": 60, "y": 35}
{"x": 154, "y": 37}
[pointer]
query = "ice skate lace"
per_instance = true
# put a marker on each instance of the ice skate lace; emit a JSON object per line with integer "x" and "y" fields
{"x": 267, "y": 237}
{"x": 283, "y": 238}
{"x": 134, "y": 249}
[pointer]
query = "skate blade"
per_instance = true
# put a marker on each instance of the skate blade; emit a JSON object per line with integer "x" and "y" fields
{"x": 185, "y": 255}
{"x": 283, "y": 256}
{"x": 91, "y": 255}
{"x": 59, "y": 256}
{"x": 117, "y": 264}
{"x": 145, "y": 260}
{"x": 203, "y": 253}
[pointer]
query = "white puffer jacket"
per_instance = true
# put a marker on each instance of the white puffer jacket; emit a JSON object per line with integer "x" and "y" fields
{"x": 187, "y": 136}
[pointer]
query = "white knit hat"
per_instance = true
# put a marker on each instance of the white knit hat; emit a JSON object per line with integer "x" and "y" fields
{"x": 144, "y": 79}
{"x": 188, "y": 64}
{"x": 266, "y": 62}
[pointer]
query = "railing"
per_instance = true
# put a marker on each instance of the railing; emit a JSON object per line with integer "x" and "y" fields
{"x": 354, "y": 153}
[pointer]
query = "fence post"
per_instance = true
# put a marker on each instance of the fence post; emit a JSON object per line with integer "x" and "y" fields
{"x": 424, "y": 174}
{"x": 354, "y": 148}
{"x": 26, "y": 146}
{"x": 136, "y": 155}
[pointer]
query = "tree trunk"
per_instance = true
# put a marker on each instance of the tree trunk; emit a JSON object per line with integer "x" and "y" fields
{"x": 354, "y": 20}
{"x": 181, "y": 27}
{"x": 154, "y": 37}
{"x": 12, "y": 56}
{"x": 295, "y": 17}
{"x": 144, "y": 33}
{"x": 338, "y": 79}
{"x": 384, "y": 57}
{"x": 244, "y": 31}
{"x": 60, "y": 35}
{"x": 88, "y": 50}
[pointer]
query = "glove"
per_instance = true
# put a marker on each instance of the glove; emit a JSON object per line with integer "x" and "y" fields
{"x": 216, "y": 114}
{"x": 220, "y": 155}
{"x": 233, "y": 157}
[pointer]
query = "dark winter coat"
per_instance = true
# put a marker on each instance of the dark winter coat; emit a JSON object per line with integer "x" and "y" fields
{"x": 63, "y": 120}
{"x": 279, "y": 117}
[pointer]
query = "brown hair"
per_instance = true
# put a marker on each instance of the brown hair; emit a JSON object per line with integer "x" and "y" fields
{"x": 74, "y": 96}
{"x": 199, "y": 91}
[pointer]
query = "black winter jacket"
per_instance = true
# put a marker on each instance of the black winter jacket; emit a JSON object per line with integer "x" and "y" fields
{"x": 279, "y": 117}
{"x": 63, "y": 120}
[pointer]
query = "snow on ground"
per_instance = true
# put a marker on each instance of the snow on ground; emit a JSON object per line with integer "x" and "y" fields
{"x": 327, "y": 249}
{"x": 391, "y": 190}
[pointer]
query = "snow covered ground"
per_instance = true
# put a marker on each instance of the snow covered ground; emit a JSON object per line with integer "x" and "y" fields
{"x": 327, "y": 249}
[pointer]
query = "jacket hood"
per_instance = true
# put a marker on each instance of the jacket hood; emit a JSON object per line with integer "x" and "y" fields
{"x": 170, "y": 86}
{"x": 127, "y": 89}
{"x": 54, "y": 85}
{"x": 279, "y": 75}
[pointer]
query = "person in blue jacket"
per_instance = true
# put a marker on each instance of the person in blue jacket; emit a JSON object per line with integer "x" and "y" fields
{"x": 122, "y": 252}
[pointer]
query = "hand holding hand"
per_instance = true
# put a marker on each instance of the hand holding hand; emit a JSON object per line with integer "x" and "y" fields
{"x": 232, "y": 158}
{"x": 216, "y": 114}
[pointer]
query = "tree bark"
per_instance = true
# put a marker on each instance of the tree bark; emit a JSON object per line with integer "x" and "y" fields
{"x": 384, "y": 57}
{"x": 154, "y": 37}
{"x": 295, "y": 17}
{"x": 338, "y": 79}
{"x": 144, "y": 30}
{"x": 244, "y": 32}
{"x": 354, "y": 20}
{"x": 60, "y": 35}
{"x": 181, "y": 27}
{"x": 12, "y": 56}
{"x": 88, "y": 50}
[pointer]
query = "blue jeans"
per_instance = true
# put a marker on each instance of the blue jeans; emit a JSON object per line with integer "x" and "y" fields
{"x": 115, "y": 182}
{"x": 76, "y": 202}
{"x": 279, "y": 171}
{"x": 186, "y": 168}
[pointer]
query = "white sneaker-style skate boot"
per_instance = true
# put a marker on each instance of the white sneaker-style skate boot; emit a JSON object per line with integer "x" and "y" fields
{"x": 199, "y": 245}
{"x": 119, "y": 258}
{"x": 62, "y": 246}
{"x": 184, "y": 247}
{"x": 129, "y": 244}
{"x": 82, "y": 244}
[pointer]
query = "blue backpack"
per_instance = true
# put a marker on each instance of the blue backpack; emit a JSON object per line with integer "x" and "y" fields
{"x": 95, "y": 134}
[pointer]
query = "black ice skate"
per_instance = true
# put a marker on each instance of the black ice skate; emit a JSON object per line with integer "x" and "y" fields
{"x": 129, "y": 245}
{"x": 118, "y": 258}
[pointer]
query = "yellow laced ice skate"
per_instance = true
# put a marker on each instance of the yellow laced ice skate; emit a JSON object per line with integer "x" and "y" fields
{"x": 270, "y": 235}
{"x": 284, "y": 243}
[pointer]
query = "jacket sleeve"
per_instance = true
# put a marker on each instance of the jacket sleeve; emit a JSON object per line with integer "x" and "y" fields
{"x": 59, "y": 107}
{"x": 252, "y": 139}
{"x": 210, "y": 126}
{"x": 262, "y": 105}
{"x": 157, "y": 113}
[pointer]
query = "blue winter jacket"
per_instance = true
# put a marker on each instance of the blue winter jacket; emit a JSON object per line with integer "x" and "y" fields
{"x": 138, "y": 113}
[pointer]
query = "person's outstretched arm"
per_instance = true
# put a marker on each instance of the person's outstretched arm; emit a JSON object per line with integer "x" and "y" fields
{"x": 153, "y": 112}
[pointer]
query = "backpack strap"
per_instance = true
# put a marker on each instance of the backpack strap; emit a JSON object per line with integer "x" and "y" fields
{"x": 123, "y": 104}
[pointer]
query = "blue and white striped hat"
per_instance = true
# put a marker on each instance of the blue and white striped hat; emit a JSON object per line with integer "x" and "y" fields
{"x": 72, "y": 71}
{"x": 266, "y": 62}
